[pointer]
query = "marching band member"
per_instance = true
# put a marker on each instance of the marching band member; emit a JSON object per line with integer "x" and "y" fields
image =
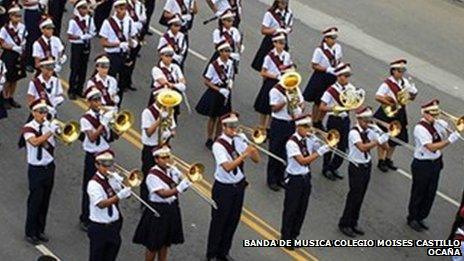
{"x": 81, "y": 29}
{"x": 185, "y": 9}
{"x": 97, "y": 136}
{"x": 149, "y": 9}
{"x": 230, "y": 152}
{"x": 101, "y": 11}
{"x": 106, "y": 84}
{"x": 48, "y": 45}
{"x": 281, "y": 128}
{"x": 275, "y": 64}
{"x": 46, "y": 86}
{"x": 105, "y": 191}
{"x": 302, "y": 151}
{"x": 117, "y": 37}
{"x": 216, "y": 100}
{"x": 56, "y": 9}
{"x": 13, "y": 40}
{"x": 326, "y": 58}
{"x": 278, "y": 19}
{"x": 168, "y": 75}
{"x": 176, "y": 39}
{"x": 338, "y": 121}
{"x": 430, "y": 136}
{"x": 40, "y": 144}
{"x": 32, "y": 17}
{"x": 220, "y": 6}
{"x": 137, "y": 12}
{"x": 361, "y": 140}
{"x": 165, "y": 184}
{"x": 152, "y": 117}
{"x": 387, "y": 95}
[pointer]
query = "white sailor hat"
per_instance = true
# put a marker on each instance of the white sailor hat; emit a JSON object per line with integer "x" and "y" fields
{"x": 231, "y": 117}
{"x": 398, "y": 64}
{"x": 331, "y": 31}
{"x": 223, "y": 45}
{"x": 14, "y": 9}
{"x": 364, "y": 112}
{"x": 227, "y": 14}
{"x": 80, "y": 3}
{"x": 38, "y": 104}
{"x": 102, "y": 59}
{"x": 431, "y": 107}
{"x": 166, "y": 49}
{"x": 92, "y": 93}
{"x": 304, "y": 119}
{"x": 46, "y": 22}
{"x": 119, "y": 2}
{"x": 278, "y": 37}
{"x": 47, "y": 61}
{"x": 106, "y": 155}
{"x": 175, "y": 20}
{"x": 161, "y": 151}
{"x": 343, "y": 68}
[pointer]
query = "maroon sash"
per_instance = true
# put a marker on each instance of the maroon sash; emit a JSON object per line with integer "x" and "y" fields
{"x": 278, "y": 62}
{"x": 232, "y": 152}
{"x": 46, "y": 49}
{"x": 393, "y": 86}
{"x": 163, "y": 176}
{"x": 80, "y": 23}
{"x": 435, "y": 136}
{"x": 329, "y": 55}
{"x": 335, "y": 94}
{"x": 132, "y": 12}
{"x": 93, "y": 121}
{"x": 277, "y": 17}
{"x": 43, "y": 94}
{"x": 220, "y": 71}
{"x": 167, "y": 74}
{"x": 228, "y": 37}
{"x": 364, "y": 138}
{"x": 46, "y": 145}
{"x": 117, "y": 30}
{"x": 13, "y": 34}
{"x": 108, "y": 190}
{"x": 172, "y": 42}
{"x": 302, "y": 145}
{"x": 154, "y": 112}
{"x": 280, "y": 89}
{"x": 101, "y": 87}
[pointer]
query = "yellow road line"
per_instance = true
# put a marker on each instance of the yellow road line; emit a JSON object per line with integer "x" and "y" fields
{"x": 247, "y": 217}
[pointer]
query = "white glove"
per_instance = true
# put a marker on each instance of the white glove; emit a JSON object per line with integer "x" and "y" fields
{"x": 186, "y": 18}
{"x": 106, "y": 118}
{"x": 218, "y": 14}
{"x": 242, "y": 48}
{"x": 288, "y": 30}
{"x": 124, "y": 46}
{"x": 17, "y": 49}
{"x": 180, "y": 87}
{"x": 230, "y": 84}
{"x": 134, "y": 43}
{"x": 183, "y": 185}
{"x": 330, "y": 70}
{"x": 279, "y": 30}
{"x": 57, "y": 68}
{"x": 177, "y": 57}
{"x": 164, "y": 114}
{"x": 124, "y": 193}
{"x": 47, "y": 124}
{"x": 235, "y": 56}
{"x": 54, "y": 128}
{"x": 454, "y": 136}
{"x": 115, "y": 99}
{"x": 52, "y": 111}
{"x": 225, "y": 92}
{"x": 323, "y": 150}
{"x": 165, "y": 135}
{"x": 63, "y": 59}
{"x": 279, "y": 76}
{"x": 383, "y": 138}
{"x": 57, "y": 100}
{"x": 86, "y": 37}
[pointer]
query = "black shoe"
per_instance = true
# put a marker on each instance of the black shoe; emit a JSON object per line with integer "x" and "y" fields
{"x": 348, "y": 231}
{"x": 328, "y": 174}
{"x": 72, "y": 96}
{"x": 225, "y": 258}
{"x": 209, "y": 144}
{"x": 84, "y": 226}
{"x": 149, "y": 33}
{"x": 336, "y": 174}
{"x": 382, "y": 166}
{"x": 358, "y": 231}
{"x": 42, "y": 237}
{"x": 274, "y": 187}
{"x": 132, "y": 88}
{"x": 415, "y": 225}
{"x": 30, "y": 69}
{"x": 7, "y": 104}
{"x": 423, "y": 225}
{"x": 14, "y": 104}
{"x": 390, "y": 165}
{"x": 33, "y": 240}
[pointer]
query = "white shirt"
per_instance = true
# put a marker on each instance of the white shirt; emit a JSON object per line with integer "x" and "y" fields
{"x": 320, "y": 58}
{"x": 89, "y": 146}
{"x": 270, "y": 22}
{"x": 222, "y": 156}
{"x": 96, "y": 195}
{"x": 47, "y": 158}
{"x": 354, "y": 137}
{"x": 180, "y": 46}
{"x": 157, "y": 74}
{"x": 155, "y": 184}
{"x": 272, "y": 68}
{"x": 56, "y": 47}
{"x": 276, "y": 97}
{"x": 384, "y": 90}
{"x": 212, "y": 75}
{"x": 233, "y": 32}
{"x": 52, "y": 87}
{"x": 328, "y": 99}
{"x": 75, "y": 30}
{"x": 223, "y": 5}
{"x": 173, "y": 7}
{"x": 423, "y": 137}
{"x": 140, "y": 12}
{"x": 129, "y": 31}
{"x": 293, "y": 150}
{"x": 147, "y": 121}
{"x": 111, "y": 85}
{"x": 20, "y": 32}
{"x": 3, "y": 71}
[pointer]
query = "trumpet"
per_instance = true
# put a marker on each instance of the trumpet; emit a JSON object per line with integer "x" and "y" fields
{"x": 457, "y": 122}
{"x": 194, "y": 173}
{"x": 331, "y": 138}
{"x": 168, "y": 99}
{"x": 394, "y": 129}
{"x": 68, "y": 132}
{"x": 122, "y": 121}
{"x": 258, "y": 136}
{"x": 132, "y": 179}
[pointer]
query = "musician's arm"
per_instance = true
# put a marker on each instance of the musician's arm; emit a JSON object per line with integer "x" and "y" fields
{"x": 385, "y": 99}
{"x": 39, "y": 140}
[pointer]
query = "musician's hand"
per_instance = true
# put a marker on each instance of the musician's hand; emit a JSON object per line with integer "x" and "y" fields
{"x": 134, "y": 43}
{"x": 117, "y": 177}
{"x": 454, "y": 136}
{"x": 330, "y": 70}
{"x": 383, "y": 138}
{"x": 55, "y": 128}
{"x": 56, "y": 100}
{"x": 180, "y": 87}
{"x": 250, "y": 149}
{"x": 288, "y": 30}
{"x": 164, "y": 115}
{"x": 17, "y": 49}
{"x": 57, "y": 68}
{"x": 124, "y": 46}
{"x": 225, "y": 92}
{"x": 183, "y": 185}
{"x": 235, "y": 56}
{"x": 124, "y": 193}
{"x": 323, "y": 150}
{"x": 177, "y": 57}
{"x": 186, "y": 17}
{"x": 63, "y": 59}
{"x": 106, "y": 118}
{"x": 279, "y": 30}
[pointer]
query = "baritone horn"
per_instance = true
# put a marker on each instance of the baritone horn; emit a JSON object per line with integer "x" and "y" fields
{"x": 68, "y": 132}
{"x": 167, "y": 99}
{"x": 290, "y": 81}
{"x": 122, "y": 120}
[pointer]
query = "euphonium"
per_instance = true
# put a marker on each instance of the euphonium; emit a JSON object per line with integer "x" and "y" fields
{"x": 167, "y": 99}
{"x": 122, "y": 121}
{"x": 290, "y": 81}
{"x": 68, "y": 132}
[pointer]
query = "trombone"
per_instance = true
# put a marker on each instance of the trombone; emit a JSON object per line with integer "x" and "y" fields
{"x": 68, "y": 132}
{"x": 458, "y": 122}
{"x": 132, "y": 179}
{"x": 194, "y": 173}
{"x": 331, "y": 138}
{"x": 394, "y": 129}
{"x": 122, "y": 121}
{"x": 258, "y": 136}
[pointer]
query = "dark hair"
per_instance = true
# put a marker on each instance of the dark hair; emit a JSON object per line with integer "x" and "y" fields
{"x": 275, "y": 6}
{"x": 46, "y": 258}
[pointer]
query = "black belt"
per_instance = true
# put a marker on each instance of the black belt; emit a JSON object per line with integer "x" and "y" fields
{"x": 429, "y": 160}
{"x": 240, "y": 183}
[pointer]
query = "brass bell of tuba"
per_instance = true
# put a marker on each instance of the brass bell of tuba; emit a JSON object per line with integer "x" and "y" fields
{"x": 290, "y": 81}
{"x": 167, "y": 99}
{"x": 68, "y": 132}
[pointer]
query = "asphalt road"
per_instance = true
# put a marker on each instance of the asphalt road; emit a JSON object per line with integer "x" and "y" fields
{"x": 432, "y": 33}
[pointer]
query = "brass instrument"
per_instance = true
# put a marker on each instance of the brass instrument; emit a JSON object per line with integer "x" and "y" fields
{"x": 122, "y": 121}
{"x": 351, "y": 98}
{"x": 132, "y": 179}
{"x": 68, "y": 132}
{"x": 394, "y": 129}
{"x": 331, "y": 138}
{"x": 258, "y": 136}
{"x": 167, "y": 99}
{"x": 456, "y": 121}
{"x": 290, "y": 81}
{"x": 403, "y": 98}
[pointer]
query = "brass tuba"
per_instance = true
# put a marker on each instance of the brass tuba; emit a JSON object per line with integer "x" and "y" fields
{"x": 167, "y": 99}
{"x": 290, "y": 81}
{"x": 122, "y": 121}
{"x": 68, "y": 132}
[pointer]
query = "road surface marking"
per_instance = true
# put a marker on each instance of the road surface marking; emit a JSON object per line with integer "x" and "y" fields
{"x": 44, "y": 250}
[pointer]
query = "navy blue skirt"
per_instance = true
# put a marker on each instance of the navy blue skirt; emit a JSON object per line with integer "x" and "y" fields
{"x": 3, "y": 112}
{"x": 262, "y": 100}
{"x": 265, "y": 47}
{"x": 213, "y": 104}
{"x": 157, "y": 232}
{"x": 317, "y": 85}
{"x": 15, "y": 66}
{"x": 401, "y": 117}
